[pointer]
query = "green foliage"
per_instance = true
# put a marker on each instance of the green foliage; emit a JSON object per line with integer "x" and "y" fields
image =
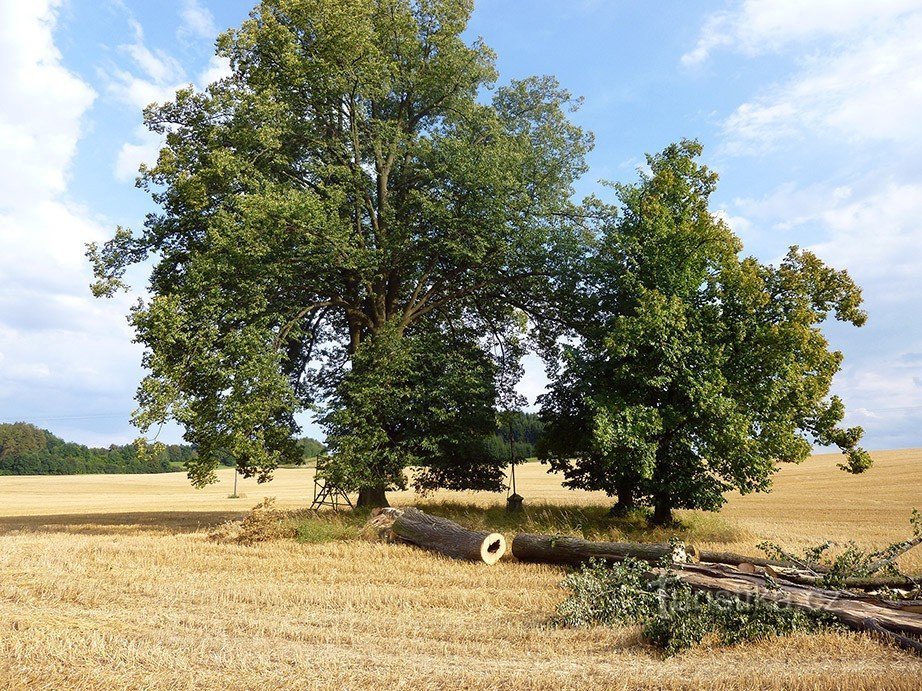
{"x": 347, "y": 188}
{"x": 523, "y": 429}
{"x": 28, "y": 450}
{"x": 695, "y": 371}
{"x": 608, "y": 596}
{"x": 414, "y": 400}
{"x": 311, "y": 448}
{"x": 673, "y": 616}
{"x": 852, "y": 561}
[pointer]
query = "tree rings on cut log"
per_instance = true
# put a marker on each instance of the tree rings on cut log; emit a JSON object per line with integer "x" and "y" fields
{"x": 492, "y": 548}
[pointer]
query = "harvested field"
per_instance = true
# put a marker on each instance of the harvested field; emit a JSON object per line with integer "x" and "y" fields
{"x": 111, "y": 582}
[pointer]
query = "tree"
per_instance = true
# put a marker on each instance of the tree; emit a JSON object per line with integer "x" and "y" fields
{"x": 347, "y": 196}
{"x": 695, "y": 371}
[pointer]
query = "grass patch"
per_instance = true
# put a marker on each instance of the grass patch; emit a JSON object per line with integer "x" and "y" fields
{"x": 316, "y": 527}
{"x": 585, "y": 521}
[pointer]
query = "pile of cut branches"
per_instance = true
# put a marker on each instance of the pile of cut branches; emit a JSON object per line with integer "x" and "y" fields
{"x": 680, "y": 594}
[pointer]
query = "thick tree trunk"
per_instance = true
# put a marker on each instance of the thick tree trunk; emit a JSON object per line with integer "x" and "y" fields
{"x": 440, "y": 535}
{"x": 571, "y": 551}
{"x": 662, "y": 512}
{"x": 861, "y": 614}
{"x": 626, "y": 502}
{"x": 372, "y": 498}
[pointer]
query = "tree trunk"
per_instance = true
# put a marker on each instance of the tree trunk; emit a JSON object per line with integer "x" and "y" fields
{"x": 440, "y": 535}
{"x": 625, "y": 503}
{"x": 861, "y": 614}
{"x": 371, "y": 497}
{"x": 737, "y": 559}
{"x": 662, "y": 512}
{"x": 571, "y": 551}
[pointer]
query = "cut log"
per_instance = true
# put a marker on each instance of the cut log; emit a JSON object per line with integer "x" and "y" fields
{"x": 571, "y": 551}
{"x": 440, "y": 535}
{"x": 854, "y": 583}
{"x": 853, "y": 612}
{"x": 899, "y": 624}
{"x": 736, "y": 559}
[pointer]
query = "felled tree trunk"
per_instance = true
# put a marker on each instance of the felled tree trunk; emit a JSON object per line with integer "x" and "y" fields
{"x": 745, "y": 579}
{"x": 853, "y": 583}
{"x": 440, "y": 535}
{"x": 860, "y": 614}
{"x": 571, "y": 551}
{"x": 737, "y": 559}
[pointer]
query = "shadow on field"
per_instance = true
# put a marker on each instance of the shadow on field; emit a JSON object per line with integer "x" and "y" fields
{"x": 117, "y": 523}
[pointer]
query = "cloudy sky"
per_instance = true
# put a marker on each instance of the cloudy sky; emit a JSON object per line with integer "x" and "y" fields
{"x": 808, "y": 110}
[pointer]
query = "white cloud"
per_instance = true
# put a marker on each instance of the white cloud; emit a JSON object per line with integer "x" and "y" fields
{"x": 871, "y": 228}
{"x": 868, "y": 90}
{"x": 143, "y": 150}
{"x": 153, "y": 76}
{"x": 197, "y": 21}
{"x": 41, "y": 106}
{"x": 56, "y": 342}
{"x": 891, "y": 409}
{"x": 760, "y": 26}
{"x": 740, "y": 225}
{"x": 218, "y": 68}
{"x": 878, "y": 237}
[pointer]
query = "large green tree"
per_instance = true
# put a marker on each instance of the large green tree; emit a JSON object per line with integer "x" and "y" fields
{"x": 345, "y": 222}
{"x": 694, "y": 371}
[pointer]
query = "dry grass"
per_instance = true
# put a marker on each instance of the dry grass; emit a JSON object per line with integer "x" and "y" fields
{"x": 112, "y": 582}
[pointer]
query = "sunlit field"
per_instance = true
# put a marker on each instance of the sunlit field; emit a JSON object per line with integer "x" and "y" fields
{"x": 112, "y": 582}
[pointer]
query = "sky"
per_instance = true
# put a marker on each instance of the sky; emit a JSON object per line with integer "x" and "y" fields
{"x": 809, "y": 111}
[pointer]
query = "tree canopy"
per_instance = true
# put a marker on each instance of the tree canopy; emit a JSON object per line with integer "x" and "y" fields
{"x": 348, "y": 224}
{"x": 692, "y": 371}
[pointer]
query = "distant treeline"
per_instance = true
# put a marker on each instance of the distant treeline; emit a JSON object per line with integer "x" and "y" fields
{"x": 524, "y": 430}
{"x": 29, "y": 450}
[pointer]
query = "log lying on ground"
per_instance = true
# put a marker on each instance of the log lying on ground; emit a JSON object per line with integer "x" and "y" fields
{"x": 746, "y": 579}
{"x": 853, "y": 583}
{"x": 440, "y": 535}
{"x": 572, "y": 551}
{"x": 864, "y": 614}
{"x": 737, "y": 559}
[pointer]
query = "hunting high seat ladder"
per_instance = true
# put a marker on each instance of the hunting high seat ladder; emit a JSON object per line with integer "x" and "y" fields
{"x": 326, "y": 492}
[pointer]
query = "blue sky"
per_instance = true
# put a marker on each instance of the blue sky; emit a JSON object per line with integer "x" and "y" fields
{"x": 808, "y": 110}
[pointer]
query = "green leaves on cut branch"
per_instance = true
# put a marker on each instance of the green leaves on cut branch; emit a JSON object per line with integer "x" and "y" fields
{"x": 673, "y": 617}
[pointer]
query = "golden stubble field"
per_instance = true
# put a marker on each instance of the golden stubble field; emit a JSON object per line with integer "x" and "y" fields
{"x": 110, "y": 582}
